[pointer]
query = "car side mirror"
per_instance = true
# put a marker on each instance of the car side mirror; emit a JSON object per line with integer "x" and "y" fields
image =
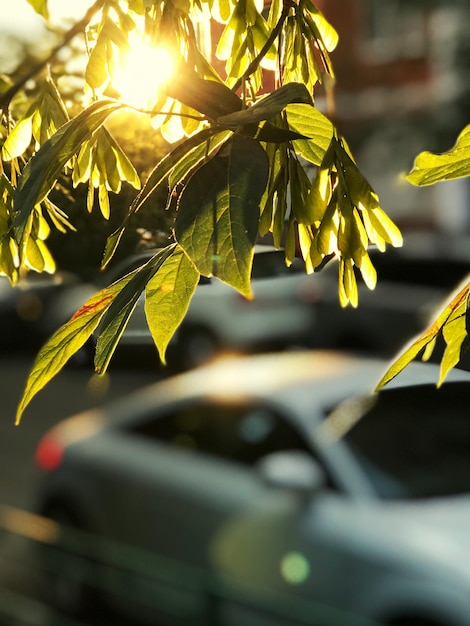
{"x": 293, "y": 470}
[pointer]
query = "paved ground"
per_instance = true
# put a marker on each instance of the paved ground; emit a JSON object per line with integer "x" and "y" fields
{"x": 72, "y": 391}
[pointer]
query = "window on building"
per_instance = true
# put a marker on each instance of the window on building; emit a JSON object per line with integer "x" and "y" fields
{"x": 394, "y": 29}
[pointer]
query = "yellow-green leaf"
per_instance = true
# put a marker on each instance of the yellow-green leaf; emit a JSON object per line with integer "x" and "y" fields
{"x": 405, "y": 359}
{"x": 269, "y": 106}
{"x": 96, "y": 73}
{"x": 18, "y": 140}
{"x": 368, "y": 271}
{"x": 326, "y": 32}
{"x": 103, "y": 199}
{"x": 167, "y": 297}
{"x": 127, "y": 292}
{"x": 64, "y": 344}
{"x": 40, "y": 6}
{"x": 42, "y": 171}
{"x": 454, "y": 332}
{"x": 454, "y": 308}
{"x": 309, "y": 122}
{"x": 432, "y": 168}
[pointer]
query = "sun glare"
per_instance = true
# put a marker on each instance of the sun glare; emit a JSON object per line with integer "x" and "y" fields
{"x": 144, "y": 70}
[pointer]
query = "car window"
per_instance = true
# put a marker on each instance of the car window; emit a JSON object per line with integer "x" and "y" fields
{"x": 415, "y": 442}
{"x": 431, "y": 272}
{"x": 270, "y": 264}
{"x": 240, "y": 433}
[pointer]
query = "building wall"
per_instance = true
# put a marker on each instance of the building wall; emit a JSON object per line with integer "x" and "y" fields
{"x": 382, "y": 59}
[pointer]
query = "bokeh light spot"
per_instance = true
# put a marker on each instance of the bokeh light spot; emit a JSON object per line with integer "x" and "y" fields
{"x": 295, "y": 568}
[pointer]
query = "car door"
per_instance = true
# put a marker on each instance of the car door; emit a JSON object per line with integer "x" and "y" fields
{"x": 192, "y": 471}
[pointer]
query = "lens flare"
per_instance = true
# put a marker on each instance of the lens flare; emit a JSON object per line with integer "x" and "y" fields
{"x": 144, "y": 69}
{"x": 295, "y": 568}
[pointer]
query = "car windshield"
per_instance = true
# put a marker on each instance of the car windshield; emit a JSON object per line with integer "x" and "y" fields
{"x": 272, "y": 263}
{"x": 415, "y": 442}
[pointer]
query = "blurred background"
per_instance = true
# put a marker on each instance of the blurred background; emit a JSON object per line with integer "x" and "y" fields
{"x": 403, "y": 70}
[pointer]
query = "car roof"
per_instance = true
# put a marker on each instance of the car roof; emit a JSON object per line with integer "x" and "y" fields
{"x": 267, "y": 375}
{"x": 288, "y": 378}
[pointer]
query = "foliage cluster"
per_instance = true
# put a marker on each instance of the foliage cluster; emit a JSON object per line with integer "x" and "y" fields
{"x": 244, "y": 161}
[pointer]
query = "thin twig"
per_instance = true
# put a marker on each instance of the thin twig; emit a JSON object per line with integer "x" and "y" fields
{"x": 7, "y": 96}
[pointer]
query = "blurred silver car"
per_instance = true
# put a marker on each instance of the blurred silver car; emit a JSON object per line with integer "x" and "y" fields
{"x": 219, "y": 318}
{"x": 278, "y": 476}
{"x": 37, "y": 305}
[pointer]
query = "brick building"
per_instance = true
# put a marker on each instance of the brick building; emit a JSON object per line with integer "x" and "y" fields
{"x": 397, "y": 93}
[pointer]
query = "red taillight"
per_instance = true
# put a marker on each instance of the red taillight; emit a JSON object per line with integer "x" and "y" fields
{"x": 49, "y": 453}
{"x": 309, "y": 293}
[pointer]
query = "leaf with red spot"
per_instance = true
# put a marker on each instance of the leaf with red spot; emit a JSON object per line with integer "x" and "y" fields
{"x": 66, "y": 341}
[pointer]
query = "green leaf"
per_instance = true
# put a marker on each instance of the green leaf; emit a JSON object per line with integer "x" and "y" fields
{"x": 218, "y": 212}
{"x": 64, "y": 343}
{"x": 195, "y": 156}
{"x": 164, "y": 168}
{"x": 308, "y": 121}
{"x": 274, "y": 197}
{"x": 432, "y": 168}
{"x": 18, "y": 140}
{"x": 38, "y": 256}
{"x": 319, "y": 197}
{"x": 178, "y": 163}
{"x": 8, "y": 259}
{"x": 112, "y": 243}
{"x": 50, "y": 113}
{"x": 268, "y": 107}
{"x": 102, "y": 162}
{"x": 40, "y": 6}
{"x": 381, "y": 229}
{"x": 168, "y": 295}
{"x": 42, "y": 171}
{"x": 96, "y": 73}
{"x": 117, "y": 316}
{"x": 299, "y": 186}
{"x": 102, "y": 60}
{"x": 58, "y": 217}
{"x": 126, "y": 169}
{"x": 209, "y": 97}
{"x": 274, "y": 134}
{"x": 325, "y": 31}
{"x": 454, "y": 337}
{"x": 103, "y": 199}
{"x": 404, "y": 359}
{"x": 232, "y": 37}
